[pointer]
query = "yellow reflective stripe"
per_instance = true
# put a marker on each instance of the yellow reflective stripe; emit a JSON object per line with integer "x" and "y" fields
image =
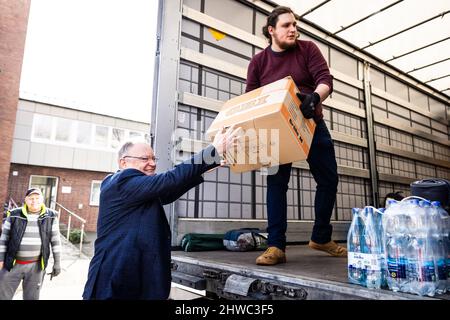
{"x": 43, "y": 209}
{"x": 14, "y": 262}
{"x": 24, "y": 210}
{"x": 7, "y": 213}
{"x": 42, "y": 263}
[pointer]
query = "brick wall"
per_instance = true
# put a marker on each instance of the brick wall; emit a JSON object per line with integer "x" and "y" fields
{"x": 13, "y": 26}
{"x": 79, "y": 181}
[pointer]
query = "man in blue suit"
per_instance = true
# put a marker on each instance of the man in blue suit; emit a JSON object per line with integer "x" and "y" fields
{"x": 132, "y": 249}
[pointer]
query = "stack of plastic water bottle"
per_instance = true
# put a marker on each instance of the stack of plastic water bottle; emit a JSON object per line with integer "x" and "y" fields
{"x": 416, "y": 237}
{"x": 366, "y": 259}
{"x": 406, "y": 247}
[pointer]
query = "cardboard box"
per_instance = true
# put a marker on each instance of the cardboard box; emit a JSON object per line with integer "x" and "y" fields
{"x": 275, "y": 131}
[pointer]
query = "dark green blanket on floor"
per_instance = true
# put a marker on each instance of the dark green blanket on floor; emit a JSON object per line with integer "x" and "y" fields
{"x": 202, "y": 242}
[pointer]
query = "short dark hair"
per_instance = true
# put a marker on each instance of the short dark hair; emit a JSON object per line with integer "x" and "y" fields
{"x": 272, "y": 20}
{"x": 394, "y": 195}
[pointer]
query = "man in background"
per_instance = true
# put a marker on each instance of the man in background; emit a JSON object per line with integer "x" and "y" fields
{"x": 27, "y": 236}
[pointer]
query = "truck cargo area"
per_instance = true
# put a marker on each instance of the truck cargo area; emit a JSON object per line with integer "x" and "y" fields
{"x": 308, "y": 274}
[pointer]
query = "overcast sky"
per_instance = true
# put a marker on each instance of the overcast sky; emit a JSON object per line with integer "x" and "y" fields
{"x": 92, "y": 55}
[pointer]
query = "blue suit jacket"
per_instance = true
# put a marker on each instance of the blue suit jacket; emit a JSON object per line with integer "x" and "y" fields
{"x": 132, "y": 249}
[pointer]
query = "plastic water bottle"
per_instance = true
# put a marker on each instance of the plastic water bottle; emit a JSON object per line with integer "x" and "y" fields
{"x": 395, "y": 244}
{"x": 381, "y": 237}
{"x": 355, "y": 242}
{"x": 415, "y": 241}
{"x": 442, "y": 258}
{"x": 421, "y": 266}
{"x": 430, "y": 252}
{"x": 372, "y": 250}
{"x": 396, "y": 263}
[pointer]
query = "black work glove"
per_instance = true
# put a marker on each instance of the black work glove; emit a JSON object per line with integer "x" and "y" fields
{"x": 309, "y": 103}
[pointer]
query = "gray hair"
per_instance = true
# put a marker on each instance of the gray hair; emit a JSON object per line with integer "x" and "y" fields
{"x": 124, "y": 149}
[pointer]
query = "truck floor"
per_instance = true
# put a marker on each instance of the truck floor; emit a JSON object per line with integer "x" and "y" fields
{"x": 322, "y": 276}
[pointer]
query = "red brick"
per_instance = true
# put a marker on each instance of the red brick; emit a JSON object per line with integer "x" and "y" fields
{"x": 79, "y": 181}
{"x": 13, "y": 26}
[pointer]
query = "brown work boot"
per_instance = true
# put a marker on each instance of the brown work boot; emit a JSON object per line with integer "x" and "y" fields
{"x": 271, "y": 256}
{"x": 332, "y": 248}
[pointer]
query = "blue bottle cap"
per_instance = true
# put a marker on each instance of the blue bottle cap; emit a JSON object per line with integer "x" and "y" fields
{"x": 424, "y": 203}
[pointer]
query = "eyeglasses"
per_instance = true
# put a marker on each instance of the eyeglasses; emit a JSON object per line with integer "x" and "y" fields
{"x": 146, "y": 159}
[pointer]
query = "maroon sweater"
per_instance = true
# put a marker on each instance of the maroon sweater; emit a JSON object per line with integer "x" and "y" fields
{"x": 304, "y": 63}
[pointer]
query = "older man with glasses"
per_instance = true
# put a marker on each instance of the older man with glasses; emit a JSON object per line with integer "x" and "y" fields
{"x": 132, "y": 249}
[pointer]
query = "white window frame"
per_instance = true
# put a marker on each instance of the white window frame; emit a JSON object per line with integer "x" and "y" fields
{"x": 91, "y": 202}
{"x": 74, "y": 133}
{"x": 77, "y": 128}
{"x": 33, "y": 128}
{"x": 125, "y": 135}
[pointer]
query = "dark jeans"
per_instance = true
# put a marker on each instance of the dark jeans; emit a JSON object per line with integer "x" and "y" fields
{"x": 322, "y": 162}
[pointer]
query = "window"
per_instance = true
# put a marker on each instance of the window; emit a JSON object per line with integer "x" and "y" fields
{"x": 42, "y": 126}
{"x": 118, "y": 137}
{"x": 81, "y": 134}
{"x": 84, "y": 133}
{"x": 101, "y": 136}
{"x": 135, "y": 135}
{"x": 95, "y": 193}
{"x": 63, "y": 129}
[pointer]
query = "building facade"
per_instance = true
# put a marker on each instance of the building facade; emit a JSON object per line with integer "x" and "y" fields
{"x": 66, "y": 153}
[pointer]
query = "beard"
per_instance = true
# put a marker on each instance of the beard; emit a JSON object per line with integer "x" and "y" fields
{"x": 285, "y": 44}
